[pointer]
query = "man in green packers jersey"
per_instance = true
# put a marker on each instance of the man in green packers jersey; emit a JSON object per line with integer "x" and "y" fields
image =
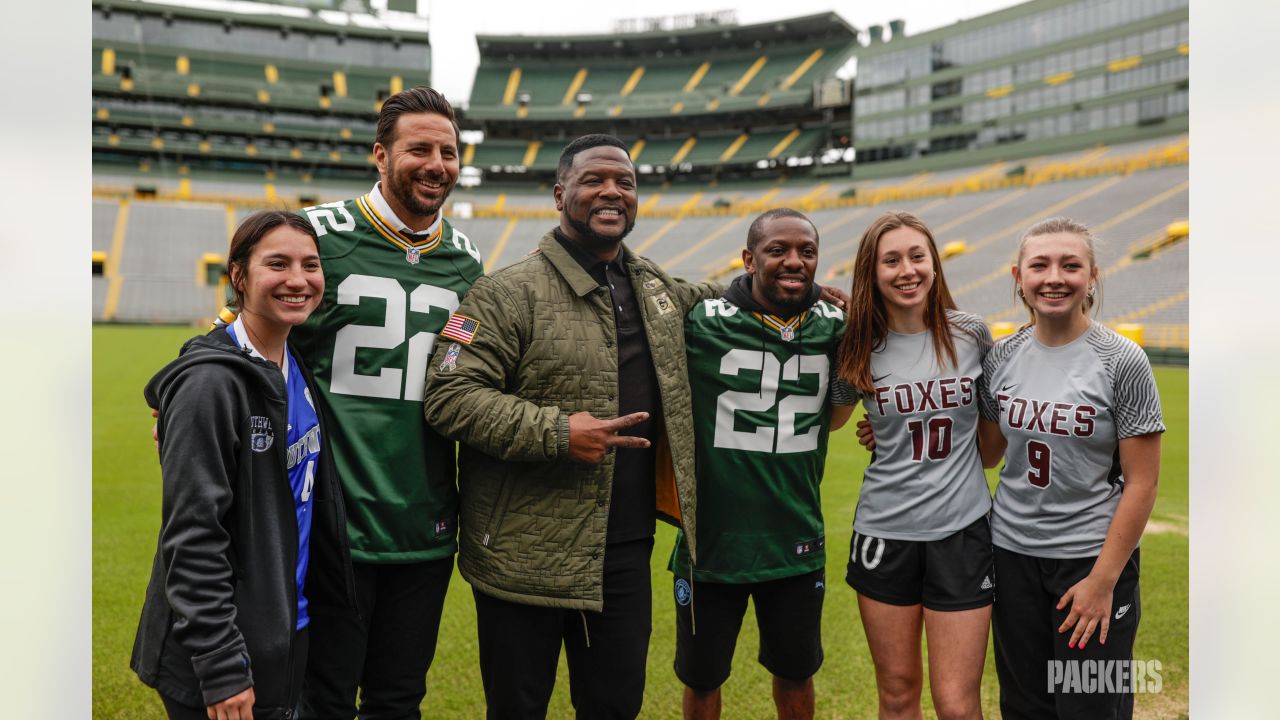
{"x": 395, "y": 270}
{"x": 765, "y": 391}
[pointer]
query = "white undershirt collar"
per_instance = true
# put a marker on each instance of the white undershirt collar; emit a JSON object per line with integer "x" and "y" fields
{"x": 242, "y": 337}
{"x": 380, "y": 204}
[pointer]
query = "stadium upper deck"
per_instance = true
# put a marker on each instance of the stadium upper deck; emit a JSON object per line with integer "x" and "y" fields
{"x": 709, "y": 69}
{"x": 278, "y": 90}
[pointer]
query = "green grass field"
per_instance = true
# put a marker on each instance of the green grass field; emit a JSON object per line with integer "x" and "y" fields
{"x": 126, "y": 515}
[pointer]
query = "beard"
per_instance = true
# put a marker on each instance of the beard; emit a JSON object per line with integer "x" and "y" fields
{"x": 401, "y": 188}
{"x": 592, "y": 240}
{"x": 786, "y": 304}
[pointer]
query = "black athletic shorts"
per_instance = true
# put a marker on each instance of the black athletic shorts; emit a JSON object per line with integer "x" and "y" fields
{"x": 954, "y": 573}
{"x": 788, "y": 613}
{"x": 1032, "y": 657}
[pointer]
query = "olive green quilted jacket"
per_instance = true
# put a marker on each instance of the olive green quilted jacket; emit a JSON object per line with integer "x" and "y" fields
{"x": 533, "y": 522}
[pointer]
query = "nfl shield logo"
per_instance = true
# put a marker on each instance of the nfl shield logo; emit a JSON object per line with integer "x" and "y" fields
{"x": 788, "y": 334}
{"x": 411, "y": 256}
{"x": 451, "y": 358}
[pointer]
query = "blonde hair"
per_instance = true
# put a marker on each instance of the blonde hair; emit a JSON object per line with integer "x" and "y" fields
{"x": 1053, "y": 226}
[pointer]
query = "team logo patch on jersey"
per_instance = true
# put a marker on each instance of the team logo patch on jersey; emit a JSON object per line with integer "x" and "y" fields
{"x": 663, "y": 303}
{"x": 809, "y": 547}
{"x": 451, "y": 358}
{"x": 444, "y": 526}
{"x": 260, "y": 433}
{"x": 461, "y": 328}
{"x": 683, "y": 592}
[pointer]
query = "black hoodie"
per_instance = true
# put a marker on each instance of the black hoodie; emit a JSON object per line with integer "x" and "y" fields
{"x": 221, "y": 608}
{"x": 739, "y": 293}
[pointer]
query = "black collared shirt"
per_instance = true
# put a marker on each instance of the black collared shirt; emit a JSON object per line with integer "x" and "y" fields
{"x": 631, "y": 509}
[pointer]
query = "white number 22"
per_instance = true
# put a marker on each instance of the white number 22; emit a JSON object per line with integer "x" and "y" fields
{"x": 389, "y": 382}
{"x": 782, "y": 439}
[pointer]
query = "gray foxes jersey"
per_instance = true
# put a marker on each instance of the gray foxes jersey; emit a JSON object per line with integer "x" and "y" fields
{"x": 387, "y": 294}
{"x": 925, "y": 481}
{"x": 762, "y": 396}
{"x": 1064, "y": 410}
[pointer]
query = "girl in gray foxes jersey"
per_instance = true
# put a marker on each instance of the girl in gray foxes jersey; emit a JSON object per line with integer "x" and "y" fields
{"x": 1079, "y": 407}
{"x": 921, "y": 555}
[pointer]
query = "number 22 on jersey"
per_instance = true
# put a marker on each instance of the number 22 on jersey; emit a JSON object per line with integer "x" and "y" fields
{"x": 782, "y": 438}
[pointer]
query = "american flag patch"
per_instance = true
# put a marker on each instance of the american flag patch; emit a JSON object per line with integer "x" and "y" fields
{"x": 461, "y": 328}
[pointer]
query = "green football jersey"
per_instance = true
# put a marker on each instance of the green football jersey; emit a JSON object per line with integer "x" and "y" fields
{"x": 761, "y": 406}
{"x": 387, "y": 295}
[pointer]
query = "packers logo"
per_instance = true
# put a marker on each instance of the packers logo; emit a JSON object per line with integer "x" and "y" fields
{"x": 683, "y": 593}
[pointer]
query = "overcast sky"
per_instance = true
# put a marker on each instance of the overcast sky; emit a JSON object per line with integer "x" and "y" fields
{"x": 455, "y": 23}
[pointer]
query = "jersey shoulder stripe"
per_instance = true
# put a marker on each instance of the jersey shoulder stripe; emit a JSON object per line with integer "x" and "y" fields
{"x": 972, "y": 326}
{"x": 1137, "y": 399}
{"x": 997, "y": 356}
{"x": 1005, "y": 349}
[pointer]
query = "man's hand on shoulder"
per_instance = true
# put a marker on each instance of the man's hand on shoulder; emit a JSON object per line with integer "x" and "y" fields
{"x": 591, "y": 438}
{"x": 835, "y": 296}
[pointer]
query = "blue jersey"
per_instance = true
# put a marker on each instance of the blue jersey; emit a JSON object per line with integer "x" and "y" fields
{"x": 302, "y": 458}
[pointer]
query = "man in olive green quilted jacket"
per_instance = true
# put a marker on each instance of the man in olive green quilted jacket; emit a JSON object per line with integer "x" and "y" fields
{"x": 564, "y": 377}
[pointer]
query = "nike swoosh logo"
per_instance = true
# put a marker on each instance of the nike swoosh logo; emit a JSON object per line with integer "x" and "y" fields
{"x": 878, "y": 379}
{"x": 1007, "y": 388}
{"x": 1121, "y": 612}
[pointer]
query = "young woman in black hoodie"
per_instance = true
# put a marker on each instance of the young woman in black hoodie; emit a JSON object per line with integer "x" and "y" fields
{"x": 252, "y": 525}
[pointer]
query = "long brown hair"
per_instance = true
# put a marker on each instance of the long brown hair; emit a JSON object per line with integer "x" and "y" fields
{"x": 869, "y": 321}
{"x": 1053, "y": 226}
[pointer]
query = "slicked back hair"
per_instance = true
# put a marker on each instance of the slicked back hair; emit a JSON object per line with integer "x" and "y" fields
{"x": 586, "y": 142}
{"x": 1053, "y": 226}
{"x": 420, "y": 99}
{"x": 868, "y": 325}
{"x": 250, "y": 232}
{"x": 755, "y": 233}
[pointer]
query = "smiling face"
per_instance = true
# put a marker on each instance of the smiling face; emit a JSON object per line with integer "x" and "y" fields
{"x": 1056, "y": 276}
{"x": 782, "y": 265}
{"x": 282, "y": 282}
{"x": 420, "y": 168}
{"x": 597, "y": 199}
{"x": 904, "y": 275}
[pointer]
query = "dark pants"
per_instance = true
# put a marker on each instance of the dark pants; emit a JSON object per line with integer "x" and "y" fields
{"x": 385, "y": 651}
{"x": 1024, "y": 626}
{"x": 606, "y": 651}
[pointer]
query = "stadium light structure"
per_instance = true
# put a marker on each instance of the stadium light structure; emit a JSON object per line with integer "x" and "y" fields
{"x": 470, "y": 177}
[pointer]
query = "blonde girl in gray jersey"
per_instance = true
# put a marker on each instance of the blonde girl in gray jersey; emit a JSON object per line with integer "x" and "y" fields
{"x": 1079, "y": 408}
{"x": 921, "y": 555}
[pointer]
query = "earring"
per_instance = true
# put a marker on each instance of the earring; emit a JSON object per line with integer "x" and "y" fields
{"x": 1018, "y": 290}
{"x": 1090, "y": 295}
